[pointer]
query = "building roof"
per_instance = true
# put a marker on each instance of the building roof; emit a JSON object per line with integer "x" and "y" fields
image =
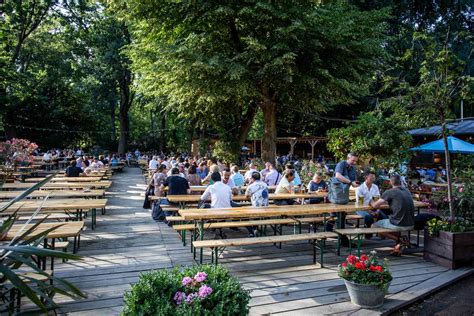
{"x": 464, "y": 127}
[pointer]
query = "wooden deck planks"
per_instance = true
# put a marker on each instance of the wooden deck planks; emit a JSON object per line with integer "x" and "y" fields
{"x": 127, "y": 242}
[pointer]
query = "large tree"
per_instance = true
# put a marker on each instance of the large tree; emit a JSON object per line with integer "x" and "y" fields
{"x": 218, "y": 62}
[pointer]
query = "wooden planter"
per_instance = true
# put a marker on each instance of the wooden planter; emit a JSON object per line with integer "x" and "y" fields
{"x": 451, "y": 250}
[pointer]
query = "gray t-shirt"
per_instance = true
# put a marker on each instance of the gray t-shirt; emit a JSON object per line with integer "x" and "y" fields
{"x": 401, "y": 204}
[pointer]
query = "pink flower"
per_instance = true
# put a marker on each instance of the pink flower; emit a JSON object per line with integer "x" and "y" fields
{"x": 190, "y": 298}
{"x": 204, "y": 291}
{"x": 186, "y": 281}
{"x": 343, "y": 264}
{"x": 179, "y": 297}
{"x": 200, "y": 277}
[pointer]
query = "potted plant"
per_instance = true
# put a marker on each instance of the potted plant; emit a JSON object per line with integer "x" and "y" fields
{"x": 198, "y": 290}
{"x": 450, "y": 241}
{"x": 367, "y": 279}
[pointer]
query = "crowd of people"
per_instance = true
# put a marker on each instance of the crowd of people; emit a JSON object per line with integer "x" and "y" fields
{"x": 178, "y": 174}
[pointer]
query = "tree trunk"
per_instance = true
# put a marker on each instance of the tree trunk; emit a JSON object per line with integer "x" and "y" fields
{"x": 269, "y": 108}
{"x": 246, "y": 123}
{"x": 124, "y": 131}
{"x": 8, "y": 125}
{"x": 112, "y": 125}
{"x": 163, "y": 133}
{"x": 448, "y": 170}
{"x": 125, "y": 103}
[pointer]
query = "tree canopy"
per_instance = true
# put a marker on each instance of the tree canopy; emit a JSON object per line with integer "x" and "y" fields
{"x": 160, "y": 74}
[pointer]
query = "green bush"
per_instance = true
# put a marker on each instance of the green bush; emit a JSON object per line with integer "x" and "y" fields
{"x": 155, "y": 293}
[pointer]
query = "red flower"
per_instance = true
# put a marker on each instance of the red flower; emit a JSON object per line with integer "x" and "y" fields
{"x": 344, "y": 264}
{"x": 376, "y": 268}
{"x": 360, "y": 265}
{"x": 364, "y": 258}
{"x": 351, "y": 259}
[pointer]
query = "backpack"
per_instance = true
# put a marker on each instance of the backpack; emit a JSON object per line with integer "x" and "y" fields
{"x": 157, "y": 213}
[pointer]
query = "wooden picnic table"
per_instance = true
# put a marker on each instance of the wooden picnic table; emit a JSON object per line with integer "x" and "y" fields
{"x": 76, "y": 206}
{"x": 58, "y": 185}
{"x": 202, "y": 188}
{"x": 185, "y": 199}
{"x": 7, "y": 195}
{"x": 66, "y": 179}
{"x": 63, "y": 230}
{"x": 277, "y": 211}
{"x": 201, "y": 216}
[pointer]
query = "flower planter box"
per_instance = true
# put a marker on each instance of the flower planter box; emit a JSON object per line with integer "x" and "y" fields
{"x": 450, "y": 250}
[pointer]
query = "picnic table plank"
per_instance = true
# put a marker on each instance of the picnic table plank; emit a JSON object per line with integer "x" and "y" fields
{"x": 189, "y": 198}
{"x": 58, "y": 204}
{"x": 275, "y": 211}
{"x": 4, "y": 195}
{"x": 65, "y": 179}
{"x": 58, "y": 185}
{"x": 63, "y": 230}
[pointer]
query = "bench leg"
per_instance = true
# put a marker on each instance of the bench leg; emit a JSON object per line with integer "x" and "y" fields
{"x": 314, "y": 251}
{"x": 183, "y": 237}
{"x": 201, "y": 237}
{"x": 216, "y": 254}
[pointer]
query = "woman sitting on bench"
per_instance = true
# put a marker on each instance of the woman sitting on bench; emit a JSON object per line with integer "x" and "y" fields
{"x": 402, "y": 213}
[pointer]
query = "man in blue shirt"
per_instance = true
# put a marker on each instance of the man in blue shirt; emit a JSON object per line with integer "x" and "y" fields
{"x": 237, "y": 177}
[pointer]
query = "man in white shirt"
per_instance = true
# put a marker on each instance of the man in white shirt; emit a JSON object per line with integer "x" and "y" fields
{"x": 153, "y": 164}
{"x": 366, "y": 192}
{"x": 220, "y": 193}
{"x": 248, "y": 174}
{"x": 46, "y": 157}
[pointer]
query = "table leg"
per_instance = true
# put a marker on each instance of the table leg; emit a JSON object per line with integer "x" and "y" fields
{"x": 53, "y": 241}
{"x": 201, "y": 237}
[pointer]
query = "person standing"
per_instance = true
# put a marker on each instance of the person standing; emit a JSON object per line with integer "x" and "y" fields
{"x": 345, "y": 175}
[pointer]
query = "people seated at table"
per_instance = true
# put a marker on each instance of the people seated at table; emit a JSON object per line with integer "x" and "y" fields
{"x": 237, "y": 177}
{"x": 212, "y": 169}
{"x": 202, "y": 170}
{"x": 219, "y": 193}
{"x": 153, "y": 164}
{"x": 73, "y": 170}
{"x": 265, "y": 170}
{"x": 297, "y": 179}
{"x": 317, "y": 184}
{"x": 96, "y": 165}
{"x": 226, "y": 179}
{"x": 47, "y": 157}
{"x": 177, "y": 185}
{"x": 365, "y": 193}
{"x": 285, "y": 187}
{"x": 402, "y": 215}
{"x": 193, "y": 177}
{"x": 248, "y": 174}
{"x": 257, "y": 191}
{"x": 158, "y": 179}
{"x": 272, "y": 177}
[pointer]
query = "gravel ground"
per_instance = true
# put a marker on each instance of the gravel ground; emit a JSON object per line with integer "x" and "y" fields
{"x": 456, "y": 300}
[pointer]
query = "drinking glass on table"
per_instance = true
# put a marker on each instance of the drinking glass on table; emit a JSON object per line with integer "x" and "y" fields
{"x": 361, "y": 200}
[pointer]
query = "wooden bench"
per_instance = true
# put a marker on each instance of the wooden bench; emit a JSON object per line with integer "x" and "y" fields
{"x": 218, "y": 225}
{"x": 221, "y": 244}
{"x": 26, "y": 277}
{"x": 356, "y": 234}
